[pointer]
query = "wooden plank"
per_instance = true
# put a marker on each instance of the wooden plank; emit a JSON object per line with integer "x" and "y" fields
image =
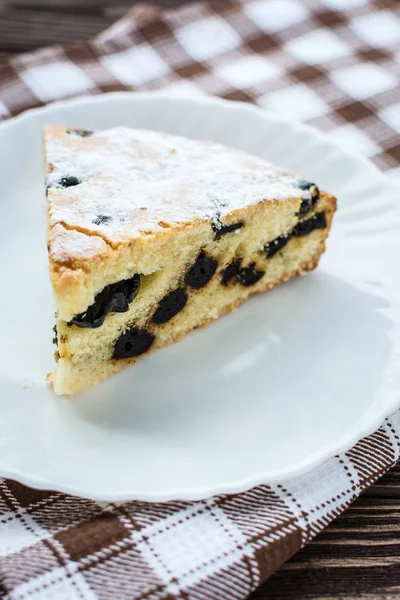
{"x": 388, "y": 486}
{"x": 23, "y": 30}
{"x": 358, "y": 556}
{"x": 26, "y": 25}
{"x": 76, "y": 6}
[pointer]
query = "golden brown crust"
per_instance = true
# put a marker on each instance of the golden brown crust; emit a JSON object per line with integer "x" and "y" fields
{"x": 75, "y": 288}
{"x": 75, "y": 375}
{"x": 85, "y": 257}
{"x": 81, "y": 379}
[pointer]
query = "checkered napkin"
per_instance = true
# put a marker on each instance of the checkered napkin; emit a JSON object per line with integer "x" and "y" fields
{"x": 332, "y": 63}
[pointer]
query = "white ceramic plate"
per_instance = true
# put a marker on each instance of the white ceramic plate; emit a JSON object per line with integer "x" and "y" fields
{"x": 292, "y": 378}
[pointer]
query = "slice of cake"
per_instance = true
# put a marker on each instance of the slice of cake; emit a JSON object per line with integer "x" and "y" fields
{"x": 151, "y": 235}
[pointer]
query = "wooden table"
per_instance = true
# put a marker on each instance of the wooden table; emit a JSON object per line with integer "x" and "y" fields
{"x": 358, "y": 556}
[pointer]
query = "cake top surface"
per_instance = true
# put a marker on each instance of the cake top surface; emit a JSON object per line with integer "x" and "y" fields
{"x": 122, "y": 183}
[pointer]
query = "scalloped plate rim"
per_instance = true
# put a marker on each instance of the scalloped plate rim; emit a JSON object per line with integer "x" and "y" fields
{"x": 359, "y": 431}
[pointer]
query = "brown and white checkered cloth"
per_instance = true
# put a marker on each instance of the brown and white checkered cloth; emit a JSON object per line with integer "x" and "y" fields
{"x": 332, "y": 63}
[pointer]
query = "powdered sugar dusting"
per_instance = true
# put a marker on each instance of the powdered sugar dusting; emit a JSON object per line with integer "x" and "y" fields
{"x": 131, "y": 180}
{"x": 66, "y": 243}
